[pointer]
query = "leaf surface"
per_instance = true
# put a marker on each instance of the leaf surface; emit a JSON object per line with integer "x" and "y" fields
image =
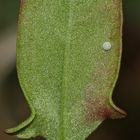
{"x": 65, "y": 73}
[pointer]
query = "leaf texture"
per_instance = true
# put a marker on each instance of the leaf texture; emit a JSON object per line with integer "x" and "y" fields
{"x": 65, "y": 73}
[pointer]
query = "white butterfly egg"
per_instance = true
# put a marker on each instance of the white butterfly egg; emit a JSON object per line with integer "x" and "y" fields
{"x": 107, "y": 46}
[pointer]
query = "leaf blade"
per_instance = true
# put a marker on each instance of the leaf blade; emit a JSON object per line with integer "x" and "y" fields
{"x": 65, "y": 74}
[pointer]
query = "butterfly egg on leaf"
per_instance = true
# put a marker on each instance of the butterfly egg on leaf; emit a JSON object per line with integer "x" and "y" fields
{"x": 107, "y": 46}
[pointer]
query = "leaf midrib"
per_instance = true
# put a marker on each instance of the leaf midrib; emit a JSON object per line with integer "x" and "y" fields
{"x": 65, "y": 66}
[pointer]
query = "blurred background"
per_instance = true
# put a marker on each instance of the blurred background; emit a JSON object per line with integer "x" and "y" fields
{"x": 13, "y": 106}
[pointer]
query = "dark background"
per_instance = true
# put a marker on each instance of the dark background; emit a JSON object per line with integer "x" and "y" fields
{"x": 13, "y": 107}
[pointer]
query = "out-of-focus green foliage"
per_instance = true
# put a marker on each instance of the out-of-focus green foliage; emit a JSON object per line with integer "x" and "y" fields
{"x": 131, "y": 8}
{"x": 8, "y": 12}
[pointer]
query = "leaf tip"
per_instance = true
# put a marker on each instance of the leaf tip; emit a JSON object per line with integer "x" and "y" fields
{"x": 118, "y": 112}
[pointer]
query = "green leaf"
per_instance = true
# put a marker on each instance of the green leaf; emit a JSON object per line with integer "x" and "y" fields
{"x": 65, "y": 68}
